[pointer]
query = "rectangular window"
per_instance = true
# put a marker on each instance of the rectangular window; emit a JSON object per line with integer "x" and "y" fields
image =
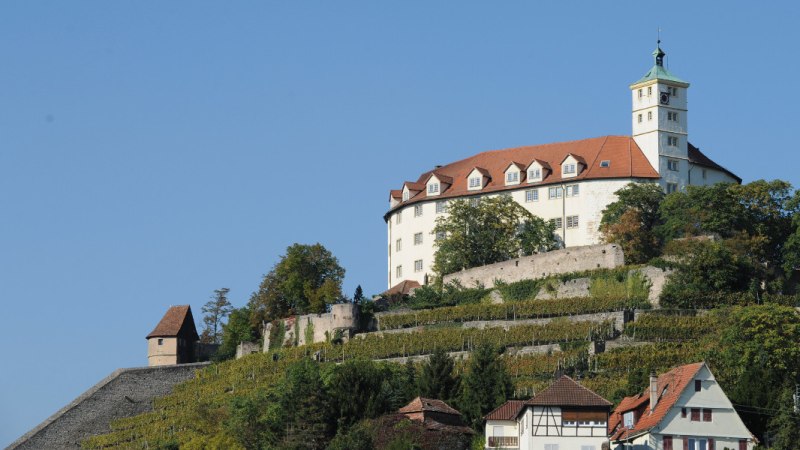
{"x": 531, "y": 195}
{"x": 672, "y": 141}
{"x": 573, "y": 190}
{"x": 398, "y": 272}
{"x": 683, "y": 412}
{"x": 550, "y": 446}
{"x": 640, "y": 93}
{"x": 433, "y": 188}
{"x": 554, "y": 192}
{"x": 475, "y": 182}
{"x": 672, "y": 164}
{"x": 572, "y": 221}
{"x": 698, "y": 385}
{"x": 649, "y": 91}
{"x": 417, "y": 210}
{"x": 160, "y": 341}
{"x": 569, "y": 168}
{"x": 417, "y": 238}
{"x": 405, "y": 195}
{"x": 569, "y": 423}
{"x": 697, "y": 444}
{"x": 512, "y": 177}
{"x": 704, "y": 174}
{"x": 441, "y": 207}
{"x": 640, "y": 118}
{"x": 557, "y": 222}
{"x": 627, "y": 419}
{"x": 667, "y": 442}
{"x": 672, "y": 187}
{"x": 649, "y": 115}
{"x": 672, "y": 116}
{"x": 605, "y": 163}
{"x": 398, "y": 245}
{"x": 742, "y": 444}
{"x": 695, "y": 415}
{"x": 399, "y": 217}
{"x": 673, "y": 91}
{"x": 418, "y": 265}
{"x": 440, "y": 235}
{"x": 706, "y": 415}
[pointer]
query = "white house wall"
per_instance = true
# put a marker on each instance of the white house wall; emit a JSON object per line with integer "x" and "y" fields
{"x": 509, "y": 428}
{"x": 546, "y": 428}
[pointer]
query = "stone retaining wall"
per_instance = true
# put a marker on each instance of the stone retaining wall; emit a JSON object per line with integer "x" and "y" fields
{"x": 124, "y": 393}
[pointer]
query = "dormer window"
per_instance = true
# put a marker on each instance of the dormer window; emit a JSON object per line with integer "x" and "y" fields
{"x": 627, "y": 419}
{"x": 405, "y": 195}
{"x": 569, "y": 168}
{"x": 512, "y": 177}
{"x": 433, "y": 188}
{"x": 534, "y": 174}
{"x": 475, "y": 182}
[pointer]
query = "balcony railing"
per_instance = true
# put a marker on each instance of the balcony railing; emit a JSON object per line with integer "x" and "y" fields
{"x": 503, "y": 441}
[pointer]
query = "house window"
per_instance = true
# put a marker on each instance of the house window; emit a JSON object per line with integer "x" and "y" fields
{"x": 417, "y": 238}
{"x": 672, "y": 141}
{"x": 418, "y": 265}
{"x": 667, "y": 442}
{"x": 683, "y": 412}
{"x": 160, "y": 341}
{"x": 554, "y": 192}
{"x": 706, "y": 415}
{"x": 569, "y": 168}
{"x": 512, "y": 177}
{"x": 433, "y": 188}
{"x": 398, "y": 245}
{"x": 627, "y": 419}
{"x": 557, "y": 222}
{"x": 698, "y": 385}
{"x": 704, "y": 174}
{"x": 399, "y": 217}
{"x": 698, "y": 444}
{"x": 640, "y": 93}
{"x": 440, "y": 235}
{"x": 573, "y": 190}
{"x": 473, "y": 202}
{"x": 405, "y": 195}
{"x": 640, "y": 118}
{"x": 398, "y": 271}
{"x": 672, "y": 116}
{"x": 672, "y": 164}
{"x": 572, "y": 221}
{"x": 532, "y": 195}
{"x": 695, "y": 415}
{"x": 605, "y": 163}
{"x": 742, "y": 444}
{"x": 569, "y": 423}
{"x": 649, "y": 91}
{"x": 441, "y": 207}
{"x": 417, "y": 210}
{"x": 649, "y": 115}
{"x": 475, "y": 182}
{"x": 534, "y": 174}
{"x": 672, "y": 187}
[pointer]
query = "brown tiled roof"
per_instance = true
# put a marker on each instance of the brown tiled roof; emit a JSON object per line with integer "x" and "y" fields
{"x": 418, "y": 186}
{"x": 404, "y": 288}
{"x": 699, "y": 158}
{"x": 507, "y": 411}
{"x": 566, "y": 392}
{"x": 544, "y": 164}
{"x": 443, "y": 178}
{"x": 627, "y": 159}
{"x": 675, "y": 381}
{"x": 422, "y": 404}
{"x": 578, "y": 158}
{"x": 482, "y": 171}
{"x": 176, "y": 319}
{"x": 396, "y": 193}
{"x": 514, "y": 163}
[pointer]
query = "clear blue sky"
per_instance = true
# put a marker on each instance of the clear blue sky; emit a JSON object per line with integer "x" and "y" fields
{"x": 153, "y": 152}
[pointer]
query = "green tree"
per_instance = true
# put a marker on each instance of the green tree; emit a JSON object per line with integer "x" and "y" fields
{"x": 485, "y": 385}
{"x": 248, "y": 420}
{"x": 306, "y": 413}
{"x": 215, "y": 312}
{"x": 785, "y": 425}
{"x": 357, "y": 390}
{"x": 791, "y": 250}
{"x": 437, "y": 379}
{"x": 238, "y": 329}
{"x": 358, "y": 295}
{"x": 495, "y": 229}
{"x": 307, "y": 279}
{"x": 631, "y": 221}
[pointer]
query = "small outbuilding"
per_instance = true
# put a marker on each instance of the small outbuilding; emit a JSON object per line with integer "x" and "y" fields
{"x": 174, "y": 340}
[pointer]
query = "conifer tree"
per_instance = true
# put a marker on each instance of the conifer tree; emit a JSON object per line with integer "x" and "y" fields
{"x": 437, "y": 379}
{"x": 216, "y": 310}
{"x": 485, "y": 385}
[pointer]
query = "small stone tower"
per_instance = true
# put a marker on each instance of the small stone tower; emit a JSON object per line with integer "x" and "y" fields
{"x": 174, "y": 340}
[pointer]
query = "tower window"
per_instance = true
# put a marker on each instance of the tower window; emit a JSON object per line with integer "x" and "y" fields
{"x": 672, "y": 116}
{"x": 649, "y": 91}
{"x": 640, "y": 93}
{"x": 673, "y": 91}
{"x": 649, "y": 115}
{"x": 398, "y": 272}
{"x": 672, "y": 187}
{"x": 672, "y": 141}
{"x": 418, "y": 265}
{"x": 160, "y": 341}
{"x": 640, "y": 118}
{"x": 672, "y": 164}
{"x": 398, "y": 245}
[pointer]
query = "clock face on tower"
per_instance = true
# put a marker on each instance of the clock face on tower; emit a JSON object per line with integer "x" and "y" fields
{"x": 664, "y": 97}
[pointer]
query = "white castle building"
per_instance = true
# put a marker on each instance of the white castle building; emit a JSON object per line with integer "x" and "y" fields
{"x": 569, "y": 183}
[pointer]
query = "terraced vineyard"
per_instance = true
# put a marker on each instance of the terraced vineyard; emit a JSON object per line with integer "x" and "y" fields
{"x": 197, "y": 404}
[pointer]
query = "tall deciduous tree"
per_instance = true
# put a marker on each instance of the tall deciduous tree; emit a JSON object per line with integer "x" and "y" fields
{"x": 306, "y": 280}
{"x": 631, "y": 221}
{"x": 215, "y": 312}
{"x": 485, "y": 385}
{"x": 237, "y": 329}
{"x": 495, "y": 229}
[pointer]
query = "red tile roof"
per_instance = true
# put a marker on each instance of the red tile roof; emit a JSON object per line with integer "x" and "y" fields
{"x": 675, "y": 381}
{"x": 422, "y": 404}
{"x": 567, "y": 392}
{"x": 403, "y": 288}
{"x": 507, "y": 411}
{"x": 177, "y": 319}
{"x": 418, "y": 186}
{"x": 443, "y": 178}
{"x": 627, "y": 159}
{"x": 396, "y": 193}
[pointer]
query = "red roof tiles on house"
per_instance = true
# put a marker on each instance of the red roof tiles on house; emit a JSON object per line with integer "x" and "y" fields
{"x": 627, "y": 159}
{"x": 507, "y": 411}
{"x": 422, "y": 404}
{"x": 567, "y": 392}
{"x": 674, "y": 381}
{"x": 176, "y": 319}
{"x": 403, "y": 288}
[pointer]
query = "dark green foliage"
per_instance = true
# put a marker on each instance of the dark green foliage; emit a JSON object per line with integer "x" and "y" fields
{"x": 306, "y": 412}
{"x": 305, "y": 280}
{"x": 633, "y": 219}
{"x": 214, "y": 313}
{"x": 358, "y": 296}
{"x": 518, "y": 290}
{"x": 785, "y": 425}
{"x": 277, "y": 334}
{"x": 485, "y": 385}
{"x": 451, "y": 294}
{"x": 496, "y": 229}
{"x": 437, "y": 379}
{"x": 248, "y": 420}
{"x": 358, "y": 438}
{"x": 238, "y": 329}
{"x": 791, "y": 250}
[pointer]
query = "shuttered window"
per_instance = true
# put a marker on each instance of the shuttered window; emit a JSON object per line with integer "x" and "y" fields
{"x": 667, "y": 442}
{"x": 695, "y": 415}
{"x": 706, "y": 415}
{"x": 742, "y": 444}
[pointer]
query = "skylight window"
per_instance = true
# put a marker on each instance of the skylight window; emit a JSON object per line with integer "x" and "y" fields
{"x": 605, "y": 163}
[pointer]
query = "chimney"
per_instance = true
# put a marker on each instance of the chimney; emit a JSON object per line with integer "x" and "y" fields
{"x": 653, "y": 390}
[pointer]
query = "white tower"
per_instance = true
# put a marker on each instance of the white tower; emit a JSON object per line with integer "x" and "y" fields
{"x": 659, "y": 122}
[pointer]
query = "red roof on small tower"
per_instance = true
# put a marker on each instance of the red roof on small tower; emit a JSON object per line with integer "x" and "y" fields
{"x": 177, "y": 321}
